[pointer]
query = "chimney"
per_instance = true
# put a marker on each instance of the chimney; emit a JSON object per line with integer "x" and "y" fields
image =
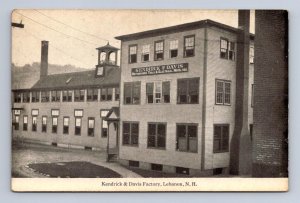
{"x": 44, "y": 59}
{"x": 240, "y": 147}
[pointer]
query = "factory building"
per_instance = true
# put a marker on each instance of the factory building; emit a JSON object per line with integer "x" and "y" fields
{"x": 178, "y": 97}
{"x": 69, "y": 109}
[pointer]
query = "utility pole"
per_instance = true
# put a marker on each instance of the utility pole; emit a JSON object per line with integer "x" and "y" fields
{"x": 18, "y": 25}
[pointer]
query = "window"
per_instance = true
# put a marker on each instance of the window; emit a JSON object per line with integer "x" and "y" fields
{"x": 227, "y": 49}
{"x": 66, "y": 125}
{"x": 158, "y": 92}
{"x": 78, "y": 113}
{"x": 223, "y": 92}
{"x": 188, "y": 91}
{"x": 173, "y": 48}
{"x": 54, "y": 112}
{"x": 231, "y": 55}
{"x": 132, "y": 92}
{"x": 35, "y": 96}
{"x": 77, "y": 126}
{"x": 146, "y": 52}
{"x": 251, "y": 131}
{"x": 17, "y": 121}
{"x": 54, "y": 124}
{"x": 92, "y": 94}
{"x": 45, "y": 96}
{"x": 189, "y": 46}
{"x": 26, "y": 97}
{"x": 44, "y": 124}
{"x": 224, "y": 48}
{"x": 221, "y": 138}
{"x": 25, "y": 123}
{"x": 67, "y": 95}
{"x": 159, "y": 50}
{"x": 55, "y": 96}
{"x": 130, "y": 133}
{"x": 133, "y": 54}
{"x": 17, "y": 97}
{"x": 117, "y": 94}
{"x": 251, "y": 53}
{"x": 34, "y": 123}
{"x": 187, "y": 137}
{"x": 156, "y": 167}
{"x": 91, "y": 126}
{"x": 252, "y": 95}
{"x": 104, "y": 124}
{"x": 106, "y": 94}
{"x": 157, "y": 135}
{"x": 78, "y": 95}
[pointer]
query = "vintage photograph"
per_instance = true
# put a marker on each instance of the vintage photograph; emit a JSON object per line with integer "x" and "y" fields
{"x": 149, "y": 100}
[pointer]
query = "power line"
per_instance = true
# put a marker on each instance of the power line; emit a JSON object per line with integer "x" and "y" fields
{"x": 58, "y": 49}
{"x": 56, "y": 30}
{"x": 71, "y": 26}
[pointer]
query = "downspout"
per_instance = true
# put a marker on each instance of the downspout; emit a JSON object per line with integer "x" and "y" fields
{"x": 204, "y": 101}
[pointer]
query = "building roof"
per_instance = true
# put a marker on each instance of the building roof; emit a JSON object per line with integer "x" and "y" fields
{"x": 80, "y": 79}
{"x": 179, "y": 28}
{"x": 107, "y": 47}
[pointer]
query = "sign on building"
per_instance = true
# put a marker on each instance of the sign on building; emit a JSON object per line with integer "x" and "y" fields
{"x": 162, "y": 69}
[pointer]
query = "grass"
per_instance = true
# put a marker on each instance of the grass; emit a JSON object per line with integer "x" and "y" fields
{"x": 75, "y": 169}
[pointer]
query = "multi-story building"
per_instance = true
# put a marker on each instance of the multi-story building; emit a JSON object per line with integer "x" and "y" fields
{"x": 69, "y": 109}
{"x": 178, "y": 93}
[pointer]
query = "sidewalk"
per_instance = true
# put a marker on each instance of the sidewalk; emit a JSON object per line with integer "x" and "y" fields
{"x": 27, "y": 153}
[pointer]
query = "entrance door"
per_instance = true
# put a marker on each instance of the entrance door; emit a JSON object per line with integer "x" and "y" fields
{"x": 112, "y": 138}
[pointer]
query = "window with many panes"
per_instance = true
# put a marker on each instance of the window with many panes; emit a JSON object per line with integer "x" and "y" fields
{"x": 117, "y": 94}
{"x": 77, "y": 125}
{"x": 35, "y": 96}
{"x": 17, "y": 97}
{"x": 54, "y": 124}
{"x": 25, "y": 123}
{"x": 55, "y": 96}
{"x": 159, "y": 50}
{"x": 92, "y": 94}
{"x": 34, "y": 123}
{"x": 45, "y": 96}
{"x": 189, "y": 46}
{"x": 132, "y": 53}
{"x": 157, "y": 135}
{"x": 132, "y": 92}
{"x": 104, "y": 124}
{"x": 187, "y": 137}
{"x": 130, "y": 133}
{"x": 79, "y": 95}
{"x": 91, "y": 126}
{"x": 173, "y": 48}
{"x": 44, "y": 123}
{"x": 67, "y": 95}
{"x": 223, "y": 92}
{"x": 221, "y": 138}
{"x": 106, "y": 94}
{"x": 66, "y": 121}
{"x": 26, "y": 97}
{"x": 251, "y": 53}
{"x": 188, "y": 91}
{"x": 158, "y": 92}
{"x": 146, "y": 52}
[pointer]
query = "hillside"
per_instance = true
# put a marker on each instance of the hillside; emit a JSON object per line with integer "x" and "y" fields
{"x": 26, "y": 76}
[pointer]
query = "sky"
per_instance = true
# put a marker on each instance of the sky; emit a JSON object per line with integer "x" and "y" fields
{"x": 74, "y": 35}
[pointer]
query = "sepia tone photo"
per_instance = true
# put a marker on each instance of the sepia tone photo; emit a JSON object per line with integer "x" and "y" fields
{"x": 149, "y": 100}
